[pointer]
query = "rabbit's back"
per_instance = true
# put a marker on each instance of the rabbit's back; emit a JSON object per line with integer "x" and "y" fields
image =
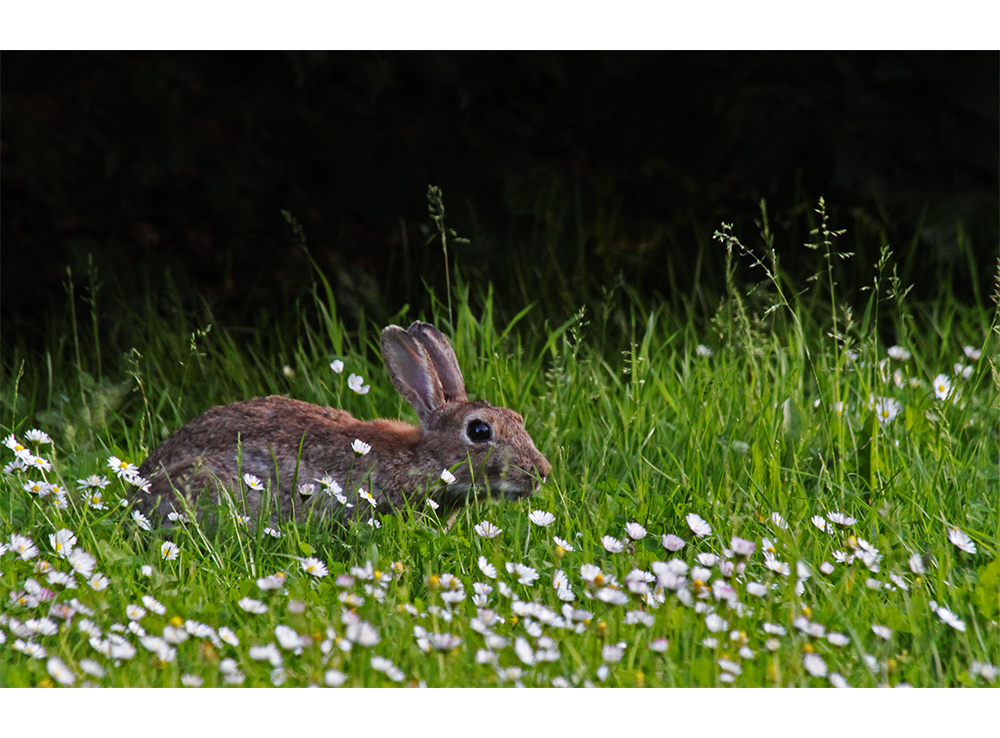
{"x": 281, "y": 441}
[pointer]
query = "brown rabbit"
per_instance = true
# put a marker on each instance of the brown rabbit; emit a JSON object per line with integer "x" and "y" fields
{"x": 287, "y": 444}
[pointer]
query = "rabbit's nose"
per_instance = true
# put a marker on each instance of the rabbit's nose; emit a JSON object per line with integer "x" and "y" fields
{"x": 543, "y": 467}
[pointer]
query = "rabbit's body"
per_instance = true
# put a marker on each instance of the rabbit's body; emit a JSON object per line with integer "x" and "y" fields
{"x": 287, "y": 443}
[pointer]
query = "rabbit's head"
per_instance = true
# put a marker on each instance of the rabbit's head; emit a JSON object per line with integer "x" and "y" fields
{"x": 485, "y": 448}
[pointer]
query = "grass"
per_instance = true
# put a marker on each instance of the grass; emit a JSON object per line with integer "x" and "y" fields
{"x": 780, "y": 419}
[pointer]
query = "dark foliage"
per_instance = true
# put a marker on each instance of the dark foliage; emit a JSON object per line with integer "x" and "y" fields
{"x": 172, "y": 168}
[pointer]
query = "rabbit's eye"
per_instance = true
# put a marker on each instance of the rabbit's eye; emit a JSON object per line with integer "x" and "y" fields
{"x": 479, "y": 431}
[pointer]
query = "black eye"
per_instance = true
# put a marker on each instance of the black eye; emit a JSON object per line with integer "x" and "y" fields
{"x": 479, "y": 431}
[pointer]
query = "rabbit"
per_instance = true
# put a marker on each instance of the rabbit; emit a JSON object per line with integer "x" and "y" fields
{"x": 288, "y": 443}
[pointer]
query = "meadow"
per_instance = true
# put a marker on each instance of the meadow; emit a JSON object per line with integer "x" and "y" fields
{"x": 767, "y": 492}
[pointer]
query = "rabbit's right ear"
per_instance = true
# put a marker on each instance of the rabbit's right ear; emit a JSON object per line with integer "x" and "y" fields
{"x": 412, "y": 371}
{"x": 442, "y": 356}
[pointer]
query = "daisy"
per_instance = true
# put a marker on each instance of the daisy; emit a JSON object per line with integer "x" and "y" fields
{"x": 698, "y": 525}
{"x": 333, "y": 677}
{"x": 487, "y": 568}
{"x": 141, "y": 520}
{"x": 840, "y": 518}
{"x": 942, "y": 387}
{"x": 635, "y": 531}
{"x": 273, "y": 582}
{"x": 356, "y": 383}
{"x": 360, "y": 447}
{"x": 367, "y": 497}
{"x": 432, "y": 504}
{"x": 447, "y": 477}
{"x": 961, "y": 540}
{"x": 916, "y": 564}
{"x": 227, "y": 635}
{"x": 660, "y": 645}
{"x": 38, "y": 462}
{"x": 314, "y": 566}
{"x": 169, "y": 550}
{"x": 756, "y": 589}
{"x": 882, "y": 631}
{"x": 886, "y": 409}
{"x": 121, "y": 468}
{"x": 742, "y": 547}
{"x": 715, "y": 623}
{"x": 820, "y": 522}
{"x": 487, "y": 530}
{"x": 525, "y": 574}
{"x": 95, "y": 501}
{"x": 898, "y": 353}
{"x": 63, "y": 541}
{"x": 94, "y": 481}
{"x": 672, "y": 542}
{"x": 191, "y": 680}
{"x": 814, "y": 664}
{"x": 337, "y": 366}
{"x": 563, "y": 544}
{"x": 252, "y": 606}
{"x": 947, "y": 616}
{"x": 779, "y": 521}
{"x": 541, "y": 518}
{"x": 253, "y": 482}
{"x": 837, "y": 639}
{"x": 39, "y": 488}
{"x": 703, "y": 350}
{"x": 23, "y": 546}
{"x": 612, "y": 544}
{"x": 307, "y": 490}
{"x": 273, "y": 532}
{"x": 82, "y": 562}
{"x": 13, "y": 444}
{"x": 826, "y": 568}
{"x": 342, "y": 498}
{"x": 612, "y": 653}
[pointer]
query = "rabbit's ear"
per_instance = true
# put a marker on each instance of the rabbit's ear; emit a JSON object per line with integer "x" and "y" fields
{"x": 411, "y": 371}
{"x": 442, "y": 355}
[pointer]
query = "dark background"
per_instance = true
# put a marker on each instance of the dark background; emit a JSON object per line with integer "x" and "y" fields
{"x": 170, "y": 170}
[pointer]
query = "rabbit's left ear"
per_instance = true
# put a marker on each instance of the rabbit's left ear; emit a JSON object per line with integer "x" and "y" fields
{"x": 442, "y": 356}
{"x": 412, "y": 372}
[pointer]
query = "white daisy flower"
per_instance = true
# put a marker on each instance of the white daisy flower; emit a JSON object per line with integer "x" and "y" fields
{"x": 564, "y": 545}
{"x": 612, "y": 544}
{"x": 337, "y": 366}
{"x": 360, "y": 447}
{"x": 356, "y": 383}
{"x": 698, "y": 525}
{"x": 486, "y": 529}
{"x": 169, "y": 550}
{"x": 541, "y": 518}
{"x": 635, "y": 531}
{"x": 314, "y": 566}
{"x": 961, "y": 540}
{"x": 253, "y": 482}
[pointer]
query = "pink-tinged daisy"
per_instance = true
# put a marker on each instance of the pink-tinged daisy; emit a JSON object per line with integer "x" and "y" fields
{"x": 314, "y": 566}
{"x": 612, "y": 544}
{"x": 23, "y": 546}
{"x": 635, "y": 531}
{"x": 814, "y": 664}
{"x": 169, "y": 550}
{"x": 541, "y": 518}
{"x": 357, "y": 384}
{"x": 742, "y": 547}
{"x": 659, "y": 645}
{"x": 698, "y": 525}
{"x": 826, "y": 568}
{"x": 672, "y": 542}
{"x": 612, "y": 653}
{"x": 961, "y": 540}
{"x": 486, "y": 529}
{"x": 307, "y": 490}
